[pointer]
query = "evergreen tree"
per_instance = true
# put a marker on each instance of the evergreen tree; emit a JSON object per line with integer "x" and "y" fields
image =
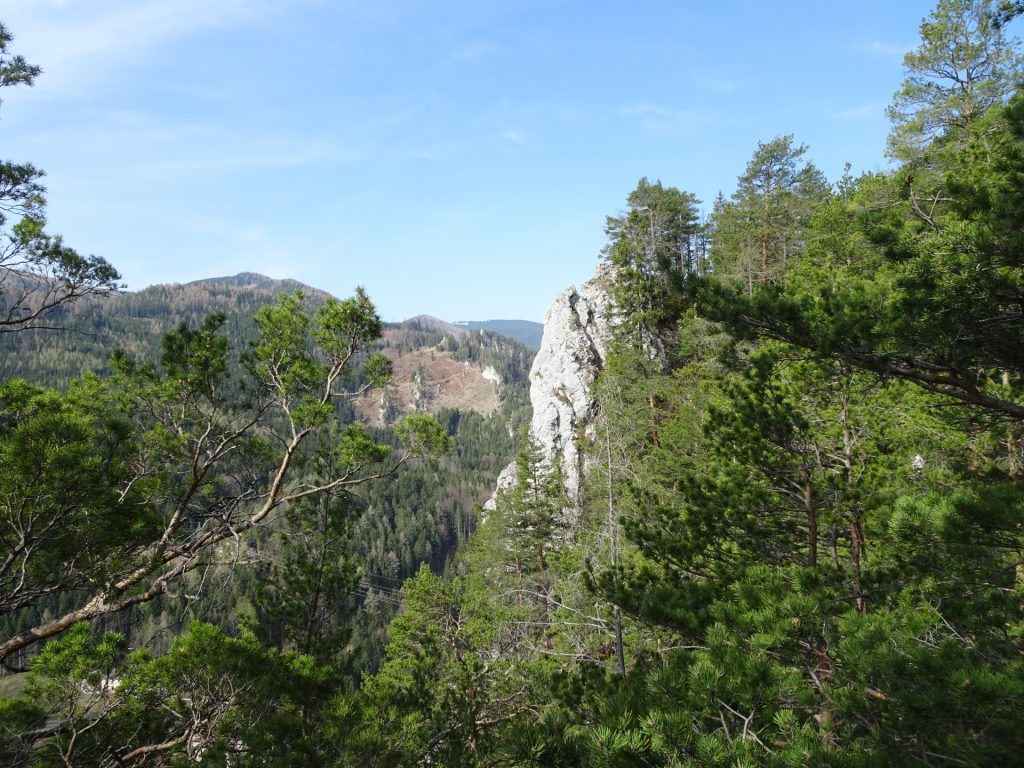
{"x": 654, "y": 246}
{"x": 963, "y": 66}
{"x": 38, "y": 273}
{"x": 447, "y": 691}
{"x": 306, "y": 600}
{"x": 762, "y": 229}
{"x": 197, "y": 469}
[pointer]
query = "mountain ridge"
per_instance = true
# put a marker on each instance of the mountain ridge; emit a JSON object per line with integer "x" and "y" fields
{"x": 526, "y": 332}
{"x": 257, "y": 280}
{"x": 431, "y": 323}
{"x": 438, "y": 365}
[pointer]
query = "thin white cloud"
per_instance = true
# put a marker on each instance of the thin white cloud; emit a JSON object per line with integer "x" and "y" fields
{"x": 160, "y": 149}
{"x": 714, "y": 84}
{"x": 473, "y": 51}
{"x": 514, "y": 137}
{"x": 78, "y": 40}
{"x": 225, "y": 155}
{"x": 439, "y": 151}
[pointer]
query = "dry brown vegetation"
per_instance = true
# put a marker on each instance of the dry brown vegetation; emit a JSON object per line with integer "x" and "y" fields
{"x": 429, "y": 379}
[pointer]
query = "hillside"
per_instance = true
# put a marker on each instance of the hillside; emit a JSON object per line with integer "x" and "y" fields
{"x": 428, "y": 379}
{"x": 257, "y": 281}
{"x": 134, "y": 322}
{"x": 526, "y": 332}
{"x": 464, "y": 374}
{"x": 474, "y": 383}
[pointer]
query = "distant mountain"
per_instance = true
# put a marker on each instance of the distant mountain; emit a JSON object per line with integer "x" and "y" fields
{"x": 430, "y": 323}
{"x": 135, "y": 322}
{"x": 260, "y": 282}
{"x": 438, "y": 365}
{"x": 476, "y": 383}
{"x": 526, "y": 332}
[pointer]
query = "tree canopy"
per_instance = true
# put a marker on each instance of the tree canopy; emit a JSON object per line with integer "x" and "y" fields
{"x": 798, "y": 540}
{"x": 38, "y": 272}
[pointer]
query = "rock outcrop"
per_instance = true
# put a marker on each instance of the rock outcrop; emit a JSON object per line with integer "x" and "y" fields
{"x": 573, "y": 350}
{"x": 572, "y": 353}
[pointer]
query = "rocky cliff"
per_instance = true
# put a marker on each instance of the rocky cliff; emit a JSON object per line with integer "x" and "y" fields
{"x": 572, "y": 353}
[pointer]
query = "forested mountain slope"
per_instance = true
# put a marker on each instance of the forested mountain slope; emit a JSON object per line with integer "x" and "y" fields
{"x": 771, "y": 512}
{"x": 475, "y": 384}
{"x": 82, "y": 335}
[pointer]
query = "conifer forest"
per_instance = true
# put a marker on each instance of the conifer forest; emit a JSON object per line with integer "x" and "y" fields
{"x": 790, "y": 532}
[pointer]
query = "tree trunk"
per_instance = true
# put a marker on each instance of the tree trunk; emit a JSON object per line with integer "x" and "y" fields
{"x": 811, "y": 509}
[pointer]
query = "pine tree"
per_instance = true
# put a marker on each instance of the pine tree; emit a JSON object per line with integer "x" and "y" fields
{"x": 964, "y": 66}
{"x": 39, "y": 274}
{"x": 654, "y": 246}
{"x": 762, "y": 229}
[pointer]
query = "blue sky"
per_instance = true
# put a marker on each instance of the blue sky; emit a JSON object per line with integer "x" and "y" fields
{"x": 456, "y": 158}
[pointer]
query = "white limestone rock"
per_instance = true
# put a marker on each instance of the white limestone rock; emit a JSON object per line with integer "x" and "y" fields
{"x": 572, "y": 353}
{"x": 577, "y": 327}
{"x": 505, "y": 481}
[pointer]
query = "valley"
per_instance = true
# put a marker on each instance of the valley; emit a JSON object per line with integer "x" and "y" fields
{"x": 751, "y": 496}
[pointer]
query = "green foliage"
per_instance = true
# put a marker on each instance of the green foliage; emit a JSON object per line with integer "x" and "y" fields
{"x": 535, "y": 507}
{"x": 177, "y": 465}
{"x": 38, "y": 273}
{"x": 228, "y": 698}
{"x": 422, "y": 435}
{"x": 69, "y": 507}
{"x": 210, "y": 699}
{"x": 14, "y": 70}
{"x": 833, "y": 555}
{"x": 440, "y": 697}
{"x": 935, "y": 303}
{"x": 68, "y": 684}
{"x": 305, "y": 600}
{"x": 791, "y": 549}
{"x": 760, "y": 232}
{"x": 197, "y": 357}
{"x": 963, "y": 66}
{"x": 654, "y": 246}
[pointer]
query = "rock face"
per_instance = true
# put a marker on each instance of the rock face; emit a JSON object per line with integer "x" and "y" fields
{"x": 572, "y": 353}
{"x": 577, "y": 328}
{"x": 505, "y": 481}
